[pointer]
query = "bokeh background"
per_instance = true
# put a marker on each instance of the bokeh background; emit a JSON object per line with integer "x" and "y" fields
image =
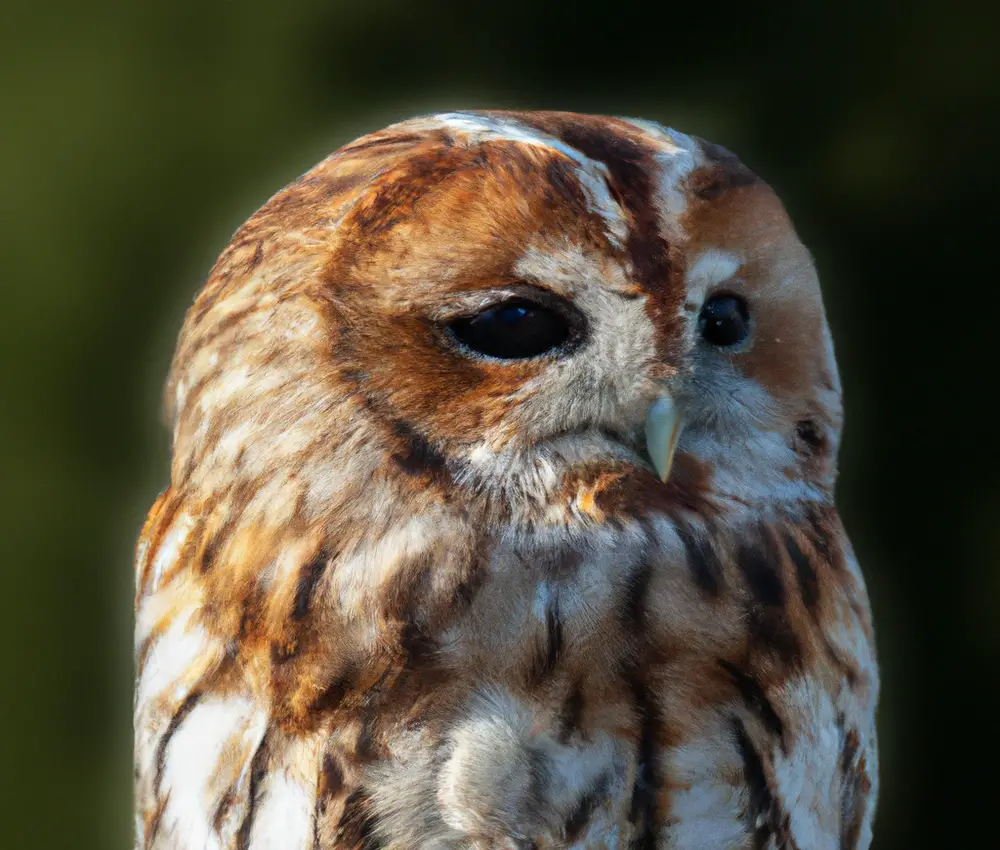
{"x": 135, "y": 137}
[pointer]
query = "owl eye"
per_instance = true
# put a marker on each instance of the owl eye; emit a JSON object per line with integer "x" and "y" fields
{"x": 512, "y": 330}
{"x": 724, "y": 320}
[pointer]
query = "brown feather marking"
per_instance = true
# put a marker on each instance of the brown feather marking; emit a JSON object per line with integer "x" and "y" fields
{"x": 764, "y": 816}
{"x": 702, "y": 560}
{"x": 770, "y": 632}
{"x": 804, "y": 571}
{"x": 550, "y": 647}
{"x": 384, "y": 140}
{"x": 222, "y": 809}
{"x": 724, "y": 173}
{"x": 810, "y": 438}
{"x": 759, "y": 562}
{"x": 357, "y": 827}
{"x": 153, "y": 821}
{"x": 568, "y": 720}
{"x": 183, "y": 710}
{"x": 309, "y": 577}
{"x": 258, "y": 766}
{"x": 629, "y": 158}
{"x": 643, "y": 808}
{"x": 755, "y": 697}
{"x": 768, "y": 625}
{"x": 415, "y": 455}
{"x": 156, "y": 527}
{"x": 584, "y": 808}
{"x": 855, "y": 788}
{"x": 329, "y": 786}
{"x": 397, "y": 192}
{"x": 635, "y": 491}
{"x": 821, "y": 533}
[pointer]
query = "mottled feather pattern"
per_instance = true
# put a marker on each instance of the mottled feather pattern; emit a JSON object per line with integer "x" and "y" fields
{"x": 399, "y": 597}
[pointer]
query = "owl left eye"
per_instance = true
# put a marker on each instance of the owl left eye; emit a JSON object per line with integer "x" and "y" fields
{"x": 512, "y": 330}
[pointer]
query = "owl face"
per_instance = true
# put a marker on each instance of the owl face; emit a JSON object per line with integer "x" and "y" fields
{"x": 531, "y": 306}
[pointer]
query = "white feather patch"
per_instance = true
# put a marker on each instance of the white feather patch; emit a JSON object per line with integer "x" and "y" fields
{"x": 678, "y": 154}
{"x": 170, "y": 548}
{"x": 807, "y": 778}
{"x": 707, "y": 805}
{"x": 284, "y": 816}
{"x": 490, "y": 785}
{"x": 192, "y": 760}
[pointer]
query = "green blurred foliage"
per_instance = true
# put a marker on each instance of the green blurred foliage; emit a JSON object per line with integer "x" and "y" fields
{"x": 135, "y": 137}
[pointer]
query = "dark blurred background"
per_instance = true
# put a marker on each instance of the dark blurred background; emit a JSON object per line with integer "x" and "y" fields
{"x": 135, "y": 137}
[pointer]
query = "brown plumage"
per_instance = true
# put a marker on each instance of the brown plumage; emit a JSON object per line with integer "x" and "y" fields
{"x": 416, "y": 580}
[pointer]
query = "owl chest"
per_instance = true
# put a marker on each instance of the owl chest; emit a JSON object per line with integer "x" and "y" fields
{"x": 555, "y": 703}
{"x": 537, "y": 726}
{"x": 557, "y": 636}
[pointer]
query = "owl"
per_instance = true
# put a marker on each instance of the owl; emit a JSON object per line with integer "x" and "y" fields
{"x": 501, "y": 513}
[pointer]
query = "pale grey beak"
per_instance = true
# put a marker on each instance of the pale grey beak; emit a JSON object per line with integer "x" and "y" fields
{"x": 663, "y": 427}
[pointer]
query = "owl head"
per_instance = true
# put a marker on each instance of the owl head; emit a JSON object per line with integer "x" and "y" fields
{"x": 538, "y": 317}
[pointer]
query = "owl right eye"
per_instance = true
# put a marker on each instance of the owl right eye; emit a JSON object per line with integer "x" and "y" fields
{"x": 724, "y": 321}
{"x": 515, "y": 329}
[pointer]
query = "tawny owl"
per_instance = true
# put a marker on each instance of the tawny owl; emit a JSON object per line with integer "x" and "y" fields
{"x": 501, "y": 512}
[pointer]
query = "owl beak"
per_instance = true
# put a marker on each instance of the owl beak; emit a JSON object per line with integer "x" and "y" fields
{"x": 663, "y": 427}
